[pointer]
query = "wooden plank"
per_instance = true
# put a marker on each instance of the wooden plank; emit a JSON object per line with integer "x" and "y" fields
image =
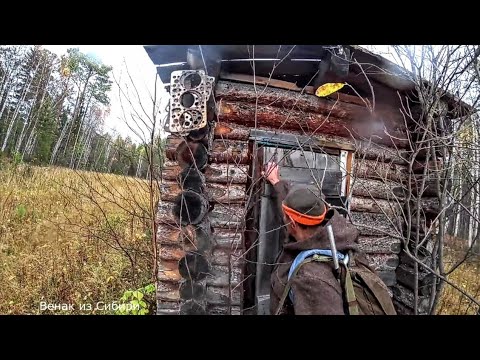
{"x": 269, "y": 116}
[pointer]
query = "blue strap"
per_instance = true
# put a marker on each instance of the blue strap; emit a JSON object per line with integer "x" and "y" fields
{"x": 306, "y": 254}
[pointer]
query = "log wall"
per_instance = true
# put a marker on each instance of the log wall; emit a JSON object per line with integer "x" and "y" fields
{"x": 207, "y": 264}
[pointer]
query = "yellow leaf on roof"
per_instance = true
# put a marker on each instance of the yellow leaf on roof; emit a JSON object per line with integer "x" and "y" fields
{"x": 328, "y": 88}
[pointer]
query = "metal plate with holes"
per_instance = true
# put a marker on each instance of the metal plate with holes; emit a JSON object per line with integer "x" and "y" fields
{"x": 189, "y": 92}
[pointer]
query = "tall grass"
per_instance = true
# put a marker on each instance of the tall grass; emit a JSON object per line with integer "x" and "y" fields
{"x": 70, "y": 237}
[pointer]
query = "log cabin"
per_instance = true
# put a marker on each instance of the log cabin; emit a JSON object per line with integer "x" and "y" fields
{"x": 235, "y": 107}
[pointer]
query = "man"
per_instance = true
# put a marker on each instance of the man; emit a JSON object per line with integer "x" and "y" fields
{"x": 315, "y": 287}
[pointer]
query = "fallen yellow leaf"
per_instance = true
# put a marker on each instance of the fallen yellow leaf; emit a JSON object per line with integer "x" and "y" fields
{"x": 328, "y": 88}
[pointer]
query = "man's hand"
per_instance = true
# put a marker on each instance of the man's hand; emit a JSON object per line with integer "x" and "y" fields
{"x": 271, "y": 173}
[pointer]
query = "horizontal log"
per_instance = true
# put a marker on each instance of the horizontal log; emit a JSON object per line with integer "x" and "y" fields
{"x": 388, "y": 277}
{"x": 231, "y": 131}
{"x": 191, "y": 307}
{"x": 168, "y": 291}
{"x": 371, "y": 151}
{"x": 285, "y": 99}
{"x": 374, "y": 224}
{"x": 419, "y": 167}
{"x": 229, "y": 239}
{"x": 363, "y": 204}
{"x": 246, "y": 114}
{"x": 383, "y": 262}
{"x": 376, "y": 170}
{"x": 165, "y": 215}
{"x": 370, "y": 188}
{"x": 223, "y": 275}
{"x": 217, "y": 173}
{"x": 231, "y": 216}
{"x": 168, "y": 271}
{"x": 223, "y": 310}
{"x": 171, "y": 252}
{"x": 423, "y": 255}
{"x": 222, "y": 256}
{"x": 406, "y": 277}
{"x": 186, "y": 238}
{"x": 379, "y": 245}
{"x": 229, "y": 151}
{"x": 220, "y": 193}
{"x": 406, "y": 297}
{"x": 167, "y": 307}
{"x": 223, "y": 295}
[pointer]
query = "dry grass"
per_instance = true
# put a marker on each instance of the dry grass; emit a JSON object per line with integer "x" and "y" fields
{"x": 466, "y": 276}
{"x": 70, "y": 237}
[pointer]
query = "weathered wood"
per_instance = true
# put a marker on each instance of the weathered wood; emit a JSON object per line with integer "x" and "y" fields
{"x": 191, "y": 307}
{"x": 223, "y": 296}
{"x": 168, "y": 271}
{"x": 223, "y": 256}
{"x": 388, "y": 277}
{"x": 383, "y": 262}
{"x": 406, "y": 297}
{"x": 226, "y": 238}
{"x": 270, "y": 116}
{"x": 165, "y": 215}
{"x": 192, "y": 290}
{"x": 379, "y": 245}
{"x": 376, "y": 170}
{"x": 419, "y": 167}
{"x": 363, "y": 204}
{"x": 223, "y": 310}
{"x": 377, "y": 189}
{"x": 175, "y": 239}
{"x": 168, "y": 291}
{"x": 193, "y": 266}
{"x": 372, "y": 151}
{"x": 231, "y": 216}
{"x": 192, "y": 179}
{"x": 261, "y": 80}
{"x": 222, "y": 275}
{"x": 216, "y": 173}
{"x": 219, "y": 193}
{"x": 229, "y": 151}
{"x": 406, "y": 277}
{"x": 422, "y": 254}
{"x": 223, "y": 130}
{"x": 190, "y": 207}
{"x": 236, "y": 92}
{"x": 167, "y": 308}
{"x": 171, "y": 252}
{"x": 375, "y": 224}
{"x": 185, "y": 152}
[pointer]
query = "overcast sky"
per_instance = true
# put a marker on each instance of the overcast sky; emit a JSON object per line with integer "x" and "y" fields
{"x": 141, "y": 69}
